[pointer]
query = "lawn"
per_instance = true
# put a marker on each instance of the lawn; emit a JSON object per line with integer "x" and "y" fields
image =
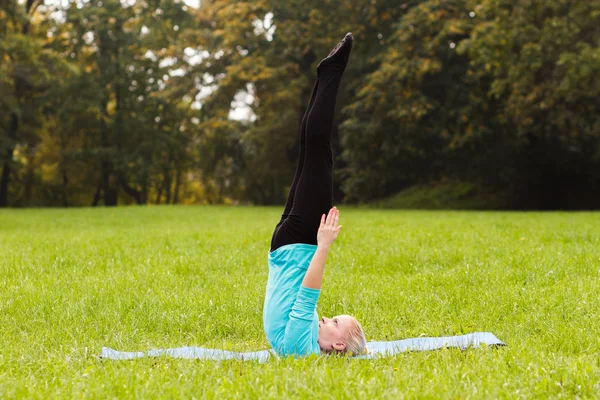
{"x": 72, "y": 281}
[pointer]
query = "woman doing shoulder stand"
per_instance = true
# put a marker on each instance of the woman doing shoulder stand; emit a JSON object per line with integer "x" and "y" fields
{"x": 307, "y": 228}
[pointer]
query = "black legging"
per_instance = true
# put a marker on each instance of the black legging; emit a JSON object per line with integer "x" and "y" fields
{"x": 311, "y": 194}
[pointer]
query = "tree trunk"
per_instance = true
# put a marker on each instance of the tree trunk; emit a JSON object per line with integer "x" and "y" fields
{"x": 158, "y": 194}
{"x": 110, "y": 195}
{"x": 28, "y": 11}
{"x": 106, "y": 166}
{"x": 114, "y": 177}
{"x": 14, "y": 122}
{"x": 6, "y": 168}
{"x": 28, "y": 183}
{"x": 4, "y": 181}
{"x": 144, "y": 195}
{"x": 97, "y": 194}
{"x": 65, "y": 182}
{"x": 136, "y": 194}
{"x": 108, "y": 180}
{"x": 168, "y": 186}
{"x": 109, "y": 191}
{"x": 177, "y": 184}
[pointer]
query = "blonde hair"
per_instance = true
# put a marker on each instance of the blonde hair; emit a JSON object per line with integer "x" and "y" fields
{"x": 356, "y": 343}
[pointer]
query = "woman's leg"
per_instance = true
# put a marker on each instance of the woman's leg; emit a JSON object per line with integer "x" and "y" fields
{"x": 313, "y": 192}
{"x": 301, "y": 155}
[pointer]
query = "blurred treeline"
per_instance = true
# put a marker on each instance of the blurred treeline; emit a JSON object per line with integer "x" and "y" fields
{"x": 114, "y": 102}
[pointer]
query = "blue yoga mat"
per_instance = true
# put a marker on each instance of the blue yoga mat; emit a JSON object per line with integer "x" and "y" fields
{"x": 376, "y": 349}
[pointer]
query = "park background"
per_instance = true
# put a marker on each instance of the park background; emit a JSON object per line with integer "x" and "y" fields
{"x": 488, "y": 104}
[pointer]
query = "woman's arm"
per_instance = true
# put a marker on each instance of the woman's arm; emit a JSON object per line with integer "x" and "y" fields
{"x": 328, "y": 231}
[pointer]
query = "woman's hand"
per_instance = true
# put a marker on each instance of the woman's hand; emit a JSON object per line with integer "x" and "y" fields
{"x": 328, "y": 231}
{"x": 329, "y": 228}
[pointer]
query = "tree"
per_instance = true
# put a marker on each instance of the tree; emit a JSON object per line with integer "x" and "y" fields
{"x": 411, "y": 107}
{"x": 137, "y": 120}
{"x": 271, "y": 49}
{"x": 27, "y": 71}
{"x": 536, "y": 61}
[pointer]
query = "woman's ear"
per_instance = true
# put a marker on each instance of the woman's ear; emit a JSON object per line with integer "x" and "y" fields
{"x": 339, "y": 346}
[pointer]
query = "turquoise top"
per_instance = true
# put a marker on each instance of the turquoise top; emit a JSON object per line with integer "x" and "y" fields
{"x": 290, "y": 310}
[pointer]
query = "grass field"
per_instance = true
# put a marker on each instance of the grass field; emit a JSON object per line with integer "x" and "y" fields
{"x": 72, "y": 281}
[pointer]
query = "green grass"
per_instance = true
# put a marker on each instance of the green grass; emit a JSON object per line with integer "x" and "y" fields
{"x": 72, "y": 281}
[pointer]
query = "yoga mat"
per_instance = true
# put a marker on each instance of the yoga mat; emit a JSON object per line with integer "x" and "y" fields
{"x": 376, "y": 349}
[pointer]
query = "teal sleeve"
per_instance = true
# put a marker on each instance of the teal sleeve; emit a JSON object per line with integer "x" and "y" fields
{"x": 306, "y": 304}
{"x": 298, "y": 338}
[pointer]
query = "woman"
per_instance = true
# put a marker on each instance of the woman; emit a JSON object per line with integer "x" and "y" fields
{"x": 302, "y": 238}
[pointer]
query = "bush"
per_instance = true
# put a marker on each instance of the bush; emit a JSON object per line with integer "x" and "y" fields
{"x": 443, "y": 195}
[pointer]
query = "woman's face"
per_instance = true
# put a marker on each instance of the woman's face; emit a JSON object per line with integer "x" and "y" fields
{"x": 333, "y": 332}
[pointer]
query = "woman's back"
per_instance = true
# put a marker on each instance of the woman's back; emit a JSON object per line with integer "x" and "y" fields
{"x": 289, "y": 313}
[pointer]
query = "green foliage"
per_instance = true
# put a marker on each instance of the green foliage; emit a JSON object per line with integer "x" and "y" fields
{"x": 406, "y": 114}
{"x": 497, "y": 93}
{"x": 535, "y": 59}
{"x": 110, "y": 102}
{"x": 117, "y": 123}
{"x": 132, "y": 279}
{"x": 143, "y": 127}
{"x": 28, "y": 71}
{"x": 279, "y": 62}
